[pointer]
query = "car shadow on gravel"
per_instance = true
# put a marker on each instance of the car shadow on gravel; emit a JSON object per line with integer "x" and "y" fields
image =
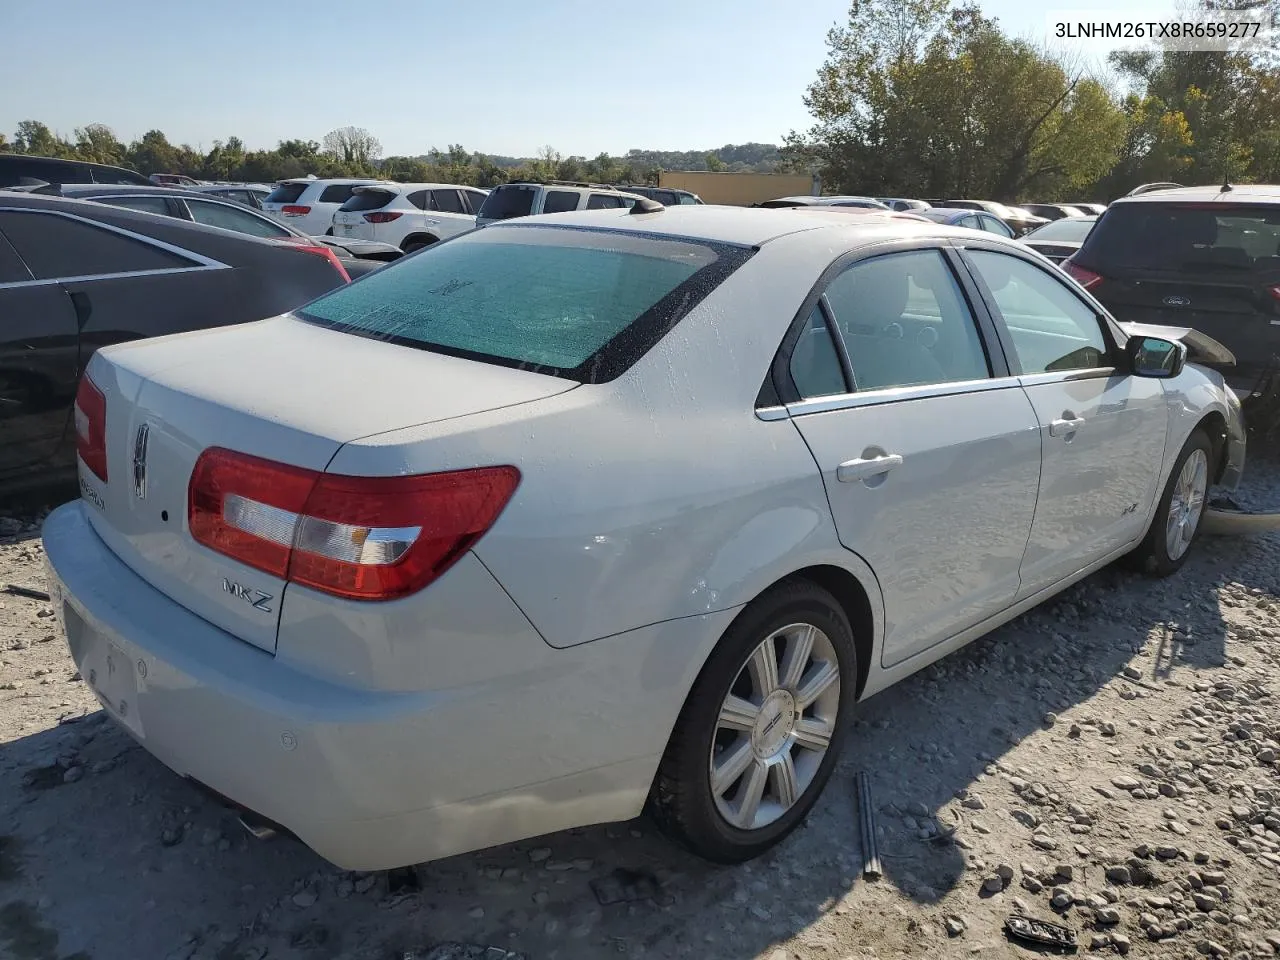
{"x": 124, "y": 859}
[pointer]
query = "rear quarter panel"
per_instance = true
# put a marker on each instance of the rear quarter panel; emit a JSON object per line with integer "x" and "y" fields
{"x": 660, "y": 495}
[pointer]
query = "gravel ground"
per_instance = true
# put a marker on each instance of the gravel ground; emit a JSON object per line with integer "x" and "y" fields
{"x": 1108, "y": 762}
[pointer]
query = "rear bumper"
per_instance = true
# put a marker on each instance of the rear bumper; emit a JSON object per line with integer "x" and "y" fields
{"x": 370, "y": 779}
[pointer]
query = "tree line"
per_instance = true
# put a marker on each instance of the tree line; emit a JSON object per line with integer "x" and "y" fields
{"x": 927, "y": 98}
{"x": 355, "y": 152}
{"x": 916, "y": 98}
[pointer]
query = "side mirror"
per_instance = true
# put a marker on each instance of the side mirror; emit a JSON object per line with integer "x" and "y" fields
{"x": 1154, "y": 357}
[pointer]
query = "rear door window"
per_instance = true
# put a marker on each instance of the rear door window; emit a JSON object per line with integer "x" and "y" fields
{"x": 12, "y": 269}
{"x": 905, "y": 322}
{"x": 146, "y": 204}
{"x": 568, "y": 302}
{"x": 337, "y": 193}
{"x": 504, "y": 203}
{"x": 60, "y": 247}
{"x": 447, "y": 201}
{"x": 604, "y": 201}
{"x": 474, "y": 200}
{"x": 286, "y": 193}
{"x": 232, "y": 218}
{"x": 560, "y": 201}
{"x": 419, "y": 198}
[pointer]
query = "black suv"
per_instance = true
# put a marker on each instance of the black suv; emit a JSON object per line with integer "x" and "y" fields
{"x": 15, "y": 166}
{"x": 1201, "y": 257}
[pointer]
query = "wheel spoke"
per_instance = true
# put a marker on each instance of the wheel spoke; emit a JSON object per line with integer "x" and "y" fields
{"x": 820, "y": 678}
{"x": 730, "y": 765}
{"x": 738, "y": 714}
{"x": 796, "y": 657}
{"x": 813, "y": 734}
{"x": 752, "y": 793}
{"x": 764, "y": 669}
{"x": 783, "y": 774}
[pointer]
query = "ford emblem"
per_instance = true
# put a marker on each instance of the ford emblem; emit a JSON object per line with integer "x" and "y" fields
{"x": 1177, "y": 302}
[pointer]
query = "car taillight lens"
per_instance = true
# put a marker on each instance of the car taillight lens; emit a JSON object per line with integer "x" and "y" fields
{"x": 294, "y": 210}
{"x": 362, "y": 538}
{"x": 1086, "y": 278}
{"x": 1275, "y": 292}
{"x": 91, "y": 427}
{"x": 380, "y": 217}
{"x": 319, "y": 250}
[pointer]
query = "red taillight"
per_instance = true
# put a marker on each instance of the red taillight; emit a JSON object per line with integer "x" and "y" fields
{"x": 1086, "y": 278}
{"x": 363, "y": 538}
{"x": 380, "y": 217}
{"x": 320, "y": 250}
{"x": 91, "y": 427}
{"x": 294, "y": 210}
{"x": 1275, "y": 291}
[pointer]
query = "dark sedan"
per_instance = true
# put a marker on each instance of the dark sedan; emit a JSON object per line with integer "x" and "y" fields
{"x": 75, "y": 276}
{"x": 965, "y": 217}
{"x": 1060, "y": 239}
{"x": 358, "y": 256}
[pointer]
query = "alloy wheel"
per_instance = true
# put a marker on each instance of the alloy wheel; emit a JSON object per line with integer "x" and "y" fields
{"x": 775, "y": 726}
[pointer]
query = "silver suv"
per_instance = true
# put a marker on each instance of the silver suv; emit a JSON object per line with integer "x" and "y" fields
{"x": 526, "y": 199}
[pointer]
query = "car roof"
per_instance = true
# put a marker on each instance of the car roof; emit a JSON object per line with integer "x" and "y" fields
{"x": 747, "y": 226}
{"x": 1245, "y": 192}
{"x": 406, "y": 187}
{"x": 330, "y": 180}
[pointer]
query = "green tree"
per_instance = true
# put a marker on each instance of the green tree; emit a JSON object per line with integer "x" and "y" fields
{"x": 97, "y": 142}
{"x": 714, "y": 163}
{"x": 919, "y": 98}
{"x": 35, "y": 138}
{"x": 153, "y": 153}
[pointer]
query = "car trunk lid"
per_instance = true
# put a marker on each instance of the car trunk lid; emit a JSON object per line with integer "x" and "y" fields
{"x": 360, "y": 215}
{"x": 298, "y": 393}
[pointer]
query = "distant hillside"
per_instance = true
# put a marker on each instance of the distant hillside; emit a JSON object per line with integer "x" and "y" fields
{"x": 733, "y": 158}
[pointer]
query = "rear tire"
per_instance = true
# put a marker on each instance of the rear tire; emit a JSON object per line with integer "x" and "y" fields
{"x": 756, "y": 743}
{"x": 1181, "y": 509}
{"x": 416, "y": 244}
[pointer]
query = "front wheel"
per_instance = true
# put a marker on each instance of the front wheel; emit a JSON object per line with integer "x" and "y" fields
{"x": 762, "y": 727}
{"x": 1177, "y": 518}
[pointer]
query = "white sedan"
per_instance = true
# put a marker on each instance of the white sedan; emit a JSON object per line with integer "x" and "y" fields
{"x": 578, "y": 513}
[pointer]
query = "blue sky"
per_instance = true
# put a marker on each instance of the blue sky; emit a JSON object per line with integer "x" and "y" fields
{"x": 504, "y": 77}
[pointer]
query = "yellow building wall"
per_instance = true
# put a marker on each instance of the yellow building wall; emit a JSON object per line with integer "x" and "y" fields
{"x": 739, "y": 189}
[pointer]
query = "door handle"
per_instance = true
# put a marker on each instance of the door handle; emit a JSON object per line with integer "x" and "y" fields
{"x": 1065, "y": 426}
{"x": 861, "y": 469}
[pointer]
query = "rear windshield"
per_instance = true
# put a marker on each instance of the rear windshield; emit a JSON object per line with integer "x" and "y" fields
{"x": 1187, "y": 237}
{"x": 579, "y": 303}
{"x": 1066, "y": 230}
{"x": 503, "y": 203}
{"x": 368, "y": 200}
{"x": 286, "y": 193}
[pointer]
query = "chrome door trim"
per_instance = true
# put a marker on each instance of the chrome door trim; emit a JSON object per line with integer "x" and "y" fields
{"x": 1062, "y": 376}
{"x": 871, "y": 398}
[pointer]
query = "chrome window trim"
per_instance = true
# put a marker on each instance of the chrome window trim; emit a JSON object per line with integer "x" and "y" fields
{"x": 870, "y": 398}
{"x": 772, "y": 414}
{"x": 1062, "y": 376}
{"x": 200, "y": 260}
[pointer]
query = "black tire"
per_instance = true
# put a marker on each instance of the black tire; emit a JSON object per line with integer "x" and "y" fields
{"x": 681, "y": 800}
{"x": 1152, "y": 555}
{"x": 416, "y": 244}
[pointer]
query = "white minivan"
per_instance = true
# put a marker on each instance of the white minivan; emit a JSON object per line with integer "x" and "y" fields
{"x": 408, "y": 215}
{"x": 510, "y": 200}
{"x": 308, "y": 204}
